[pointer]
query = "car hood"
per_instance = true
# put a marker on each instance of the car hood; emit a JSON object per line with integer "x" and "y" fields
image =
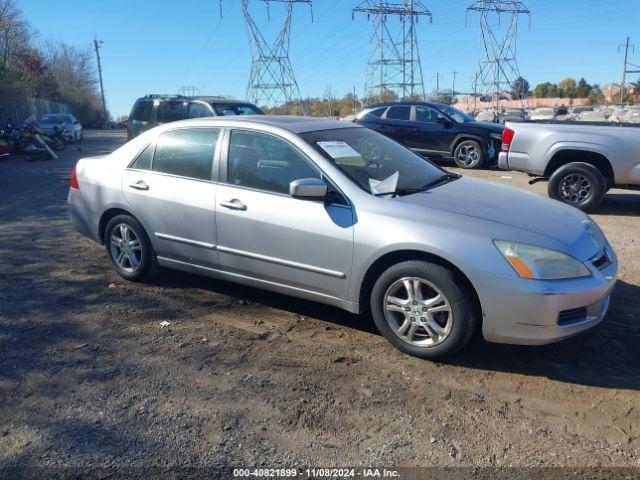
{"x": 514, "y": 208}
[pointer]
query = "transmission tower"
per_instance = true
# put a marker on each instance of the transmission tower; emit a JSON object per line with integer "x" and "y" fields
{"x": 394, "y": 68}
{"x": 272, "y": 80}
{"x": 498, "y": 66}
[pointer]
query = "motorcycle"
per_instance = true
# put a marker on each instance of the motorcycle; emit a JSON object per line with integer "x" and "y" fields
{"x": 28, "y": 141}
{"x": 55, "y": 141}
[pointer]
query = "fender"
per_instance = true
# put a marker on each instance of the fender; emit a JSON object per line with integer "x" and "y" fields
{"x": 584, "y": 146}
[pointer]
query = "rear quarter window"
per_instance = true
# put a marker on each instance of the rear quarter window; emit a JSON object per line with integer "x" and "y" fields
{"x": 171, "y": 112}
{"x": 142, "y": 111}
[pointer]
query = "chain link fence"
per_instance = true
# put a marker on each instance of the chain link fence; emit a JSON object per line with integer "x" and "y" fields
{"x": 19, "y": 109}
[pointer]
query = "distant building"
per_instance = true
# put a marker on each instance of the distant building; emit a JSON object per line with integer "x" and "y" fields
{"x": 611, "y": 91}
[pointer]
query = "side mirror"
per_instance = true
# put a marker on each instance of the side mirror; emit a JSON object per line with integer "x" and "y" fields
{"x": 308, "y": 189}
{"x": 443, "y": 121}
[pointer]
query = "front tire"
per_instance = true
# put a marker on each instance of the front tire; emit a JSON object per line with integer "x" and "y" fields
{"x": 469, "y": 154}
{"x": 129, "y": 249}
{"x": 423, "y": 310}
{"x": 580, "y": 185}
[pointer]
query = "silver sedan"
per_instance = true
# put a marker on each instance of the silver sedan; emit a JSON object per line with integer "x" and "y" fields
{"x": 338, "y": 214}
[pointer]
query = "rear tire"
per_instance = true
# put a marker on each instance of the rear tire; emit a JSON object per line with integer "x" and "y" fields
{"x": 129, "y": 249}
{"x": 580, "y": 185}
{"x": 469, "y": 154}
{"x": 433, "y": 320}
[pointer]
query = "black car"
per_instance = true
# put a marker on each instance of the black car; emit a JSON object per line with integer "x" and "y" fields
{"x": 436, "y": 130}
{"x": 153, "y": 110}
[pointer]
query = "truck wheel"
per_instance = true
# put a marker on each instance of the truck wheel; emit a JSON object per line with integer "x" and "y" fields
{"x": 580, "y": 185}
{"x": 423, "y": 310}
{"x": 469, "y": 154}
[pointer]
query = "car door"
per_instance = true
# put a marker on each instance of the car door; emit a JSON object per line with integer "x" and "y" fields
{"x": 266, "y": 234}
{"x": 396, "y": 124}
{"x": 170, "y": 188}
{"x": 434, "y": 133}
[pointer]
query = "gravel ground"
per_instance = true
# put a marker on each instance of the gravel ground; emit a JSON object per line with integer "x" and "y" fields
{"x": 243, "y": 377}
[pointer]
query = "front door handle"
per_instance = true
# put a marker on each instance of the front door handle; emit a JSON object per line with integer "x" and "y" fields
{"x": 234, "y": 204}
{"x": 139, "y": 185}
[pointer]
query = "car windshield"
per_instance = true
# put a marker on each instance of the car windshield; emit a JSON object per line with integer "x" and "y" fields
{"x": 53, "y": 119}
{"x": 374, "y": 162}
{"x": 454, "y": 113}
{"x": 233, "y": 110}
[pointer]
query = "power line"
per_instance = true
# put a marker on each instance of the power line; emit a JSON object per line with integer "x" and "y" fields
{"x": 626, "y": 69}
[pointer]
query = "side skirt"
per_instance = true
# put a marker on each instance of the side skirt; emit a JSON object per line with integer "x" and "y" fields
{"x": 258, "y": 283}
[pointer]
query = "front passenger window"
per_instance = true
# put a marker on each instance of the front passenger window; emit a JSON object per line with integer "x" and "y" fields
{"x": 186, "y": 152}
{"x": 264, "y": 162}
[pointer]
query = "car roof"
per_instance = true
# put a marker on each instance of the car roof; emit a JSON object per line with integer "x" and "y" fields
{"x": 205, "y": 98}
{"x": 393, "y": 104}
{"x": 291, "y": 123}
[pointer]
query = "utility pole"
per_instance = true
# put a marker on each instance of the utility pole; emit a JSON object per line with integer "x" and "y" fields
{"x": 437, "y": 86}
{"x": 625, "y": 69}
{"x": 393, "y": 68}
{"x": 96, "y": 44}
{"x": 453, "y": 87}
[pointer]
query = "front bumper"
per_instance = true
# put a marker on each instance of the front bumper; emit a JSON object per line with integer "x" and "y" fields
{"x": 527, "y": 312}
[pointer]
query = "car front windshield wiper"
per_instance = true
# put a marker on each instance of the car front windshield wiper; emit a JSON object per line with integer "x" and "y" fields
{"x": 447, "y": 177}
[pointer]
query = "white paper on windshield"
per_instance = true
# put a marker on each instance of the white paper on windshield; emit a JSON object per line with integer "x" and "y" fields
{"x": 388, "y": 185}
{"x": 343, "y": 153}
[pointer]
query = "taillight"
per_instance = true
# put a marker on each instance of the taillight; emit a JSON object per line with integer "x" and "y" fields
{"x": 507, "y": 139}
{"x": 74, "y": 180}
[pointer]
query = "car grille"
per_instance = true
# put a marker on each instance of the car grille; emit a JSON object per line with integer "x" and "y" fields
{"x": 568, "y": 317}
{"x": 601, "y": 260}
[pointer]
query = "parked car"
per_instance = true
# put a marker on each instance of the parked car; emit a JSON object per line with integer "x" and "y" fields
{"x": 575, "y": 111}
{"x": 436, "y": 130}
{"x": 513, "y": 115}
{"x": 336, "y": 213}
{"x": 599, "y": 115}
{"x": 68, "y": 123}
{"x": 561, "y": 113}
{"x": 581, "y": 162}
{"x": 488, "y": 115}
{"x": 153, "y": 110}
{"x": 543, "y": 114}
{"x": 631, "y": 115}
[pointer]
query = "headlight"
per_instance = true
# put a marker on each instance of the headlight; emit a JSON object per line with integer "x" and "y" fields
{"x": 496, "y": 136}
{"x": 540, "y": 263}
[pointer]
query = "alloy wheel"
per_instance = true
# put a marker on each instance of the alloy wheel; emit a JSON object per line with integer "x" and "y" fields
{"x": 468, "y": 155}
{"x": 576, "y": 188}
{"x": 125, "y": 248}
{"x": 418, "y": 312}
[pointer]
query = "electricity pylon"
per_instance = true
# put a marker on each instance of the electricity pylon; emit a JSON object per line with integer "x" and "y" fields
{"x": 498, "y": 66}
{"x": 272, "y": 81}
{"x": 394, "y": 69}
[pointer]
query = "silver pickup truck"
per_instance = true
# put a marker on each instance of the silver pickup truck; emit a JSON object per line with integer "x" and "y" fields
{"x": 581, "y": 162}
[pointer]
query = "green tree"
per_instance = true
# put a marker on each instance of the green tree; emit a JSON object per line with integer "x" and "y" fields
{"x": 568, "y": 87}
{"x": 583, "y": 89}
{"x": 595, "y": 96}
{"x": 542, "y": 90}
{"x": 520, "y": 88}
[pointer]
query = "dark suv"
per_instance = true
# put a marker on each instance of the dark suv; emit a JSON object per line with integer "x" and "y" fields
{"x": 154, "y": 110}
{"x": 436, "y": 130}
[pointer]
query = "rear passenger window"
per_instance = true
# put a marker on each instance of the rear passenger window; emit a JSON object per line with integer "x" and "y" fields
{"x": 171, "y": 112}
{"x": 377, "y": 112}
{"x": 199, "y": 110}
{"x": 142, "y": 111}
{"x": 186, "y": 153}
{"x": 399, "y": 113}
{"x": 143, "y": 161}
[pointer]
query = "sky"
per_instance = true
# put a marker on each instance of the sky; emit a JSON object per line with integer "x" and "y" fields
{"x": 158, "y": 46}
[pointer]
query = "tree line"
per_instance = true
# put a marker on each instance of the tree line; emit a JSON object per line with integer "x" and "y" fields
{"x": 49, "y": 70}
{"x": 567, "y": 88}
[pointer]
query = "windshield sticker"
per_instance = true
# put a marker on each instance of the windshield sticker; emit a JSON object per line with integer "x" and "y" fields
{"x": 388, "y": 185}
{"x": 343, "y": 153}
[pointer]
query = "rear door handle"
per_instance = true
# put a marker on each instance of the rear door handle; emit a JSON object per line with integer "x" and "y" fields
{"x": 234, "y": 204}
{"x": 139, "y": 185}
